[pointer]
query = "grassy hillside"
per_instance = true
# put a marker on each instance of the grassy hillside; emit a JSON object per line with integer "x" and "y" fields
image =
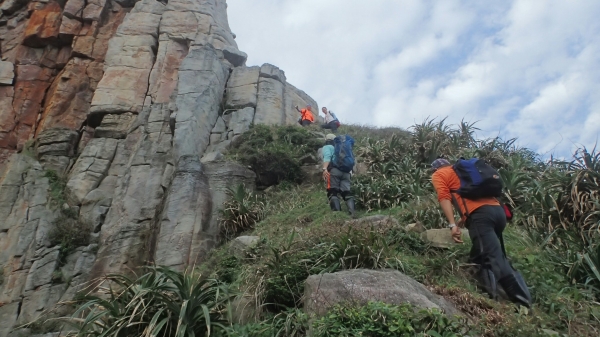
{"x": 553, "y": 239}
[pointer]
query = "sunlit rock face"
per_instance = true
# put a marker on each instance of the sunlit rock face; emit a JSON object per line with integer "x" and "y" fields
{"x": 131, "y": 104}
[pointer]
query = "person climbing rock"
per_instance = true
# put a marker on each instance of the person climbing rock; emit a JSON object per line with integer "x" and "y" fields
{"x": 485, "y": 220}
{"x": 338, "y": 162}
{"x": 306, "y": 115}
{"x": 331, "y": 121}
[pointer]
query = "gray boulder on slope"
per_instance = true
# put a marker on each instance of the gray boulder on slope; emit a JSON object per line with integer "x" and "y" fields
{"x": 322, "y": 292}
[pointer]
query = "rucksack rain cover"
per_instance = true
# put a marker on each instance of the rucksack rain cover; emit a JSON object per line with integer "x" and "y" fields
{"x": 344, "y": 157}
{"x": 477, "y": 179}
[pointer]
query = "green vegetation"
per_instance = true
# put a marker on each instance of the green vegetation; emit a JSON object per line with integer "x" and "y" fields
{"x": 67, "y": 231}
{"x": 380, "y": 319}
{"x": 552, "y": 246}
{"x": 276, "y": 154}
{"x": 240, "y": 212}
{"x": 161, "y": 302}
{"x": 553, "y": 241}
{"x": 29, "y": 149}
{"x": 58, "y": 184}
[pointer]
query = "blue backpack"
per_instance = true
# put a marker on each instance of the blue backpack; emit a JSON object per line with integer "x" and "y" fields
{"x": 477, "y": 179}
{"x": 344, "y": 158}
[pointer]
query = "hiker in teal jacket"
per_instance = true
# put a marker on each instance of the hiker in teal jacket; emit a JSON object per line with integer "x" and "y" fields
{"x": 338, "y": 182}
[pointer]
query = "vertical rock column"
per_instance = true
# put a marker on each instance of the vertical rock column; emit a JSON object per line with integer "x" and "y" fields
{"x": 185, "y": 232}
{"x": 120, "y": 182}
{"x": 161, "y": 205}
{"x": 270, "y": 102}
{"x": 33, "y": 275}
{"x": 185, "y": 235}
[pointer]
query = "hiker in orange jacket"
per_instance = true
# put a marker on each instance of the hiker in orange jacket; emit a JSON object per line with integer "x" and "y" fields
{"x": 306, "y": 116}
{"x": 485, "y": 219}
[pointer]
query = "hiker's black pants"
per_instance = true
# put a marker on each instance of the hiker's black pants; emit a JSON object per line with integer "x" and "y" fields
{"x": 333, "y": 126}
{"x": 486, "y": 225}
{"x": 304, "y": 122}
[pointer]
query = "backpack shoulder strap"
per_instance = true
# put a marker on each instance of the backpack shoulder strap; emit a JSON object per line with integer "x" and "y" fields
{"x": 455, "y": 202}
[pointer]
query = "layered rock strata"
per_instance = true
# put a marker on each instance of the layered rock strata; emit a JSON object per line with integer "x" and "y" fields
{"x": 133, "y": 104}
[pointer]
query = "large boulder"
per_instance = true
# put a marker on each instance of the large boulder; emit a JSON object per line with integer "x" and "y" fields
{"x": 322, "y": 292}
{"x": 442, "y": 238}
{"x": 241, "y": 244}
{"x": 375, "y": 221}
{"x": 313, "y": 174}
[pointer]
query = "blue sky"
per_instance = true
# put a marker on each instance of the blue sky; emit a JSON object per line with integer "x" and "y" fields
{"x": 528, "y": 69}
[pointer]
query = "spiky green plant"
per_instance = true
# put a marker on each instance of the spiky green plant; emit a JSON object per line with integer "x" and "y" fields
{"x": 240, "y": 212}
{"x": 162, "y": 302}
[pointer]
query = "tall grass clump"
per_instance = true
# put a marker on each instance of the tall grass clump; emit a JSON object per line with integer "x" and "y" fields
{"x": 241, "y": 212}
{"x": 162, "y": 302}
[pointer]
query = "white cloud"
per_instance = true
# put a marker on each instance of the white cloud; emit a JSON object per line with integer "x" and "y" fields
{"x": 523, "y": 68}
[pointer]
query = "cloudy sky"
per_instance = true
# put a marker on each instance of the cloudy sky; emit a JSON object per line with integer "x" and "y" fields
{"x": 527, "y": 68}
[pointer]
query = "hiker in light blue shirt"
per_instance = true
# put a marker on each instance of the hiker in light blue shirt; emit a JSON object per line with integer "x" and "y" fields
{"x": 338, "y": 182}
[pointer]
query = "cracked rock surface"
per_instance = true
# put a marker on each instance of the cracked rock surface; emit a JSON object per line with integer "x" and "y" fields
{"x": 114, "y": 116}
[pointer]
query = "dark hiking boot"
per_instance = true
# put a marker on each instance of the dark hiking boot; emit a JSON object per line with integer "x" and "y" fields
{"x": 334, "y": 203}
{"x": 350, "y": 204}
{"x": 516, "y": 289}
{"x": 487, "y": 281}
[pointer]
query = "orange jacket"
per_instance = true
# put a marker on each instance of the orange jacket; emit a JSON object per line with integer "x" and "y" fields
{"x": 445, "y": 180}
{"x": 307, "y": 115}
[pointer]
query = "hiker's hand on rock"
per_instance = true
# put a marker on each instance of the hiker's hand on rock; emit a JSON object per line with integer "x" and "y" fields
{"x": 456, "y": 234}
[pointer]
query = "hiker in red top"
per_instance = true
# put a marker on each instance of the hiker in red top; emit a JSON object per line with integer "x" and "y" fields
{"x": 306, "y": 117}
{"x": 485, "y": 219}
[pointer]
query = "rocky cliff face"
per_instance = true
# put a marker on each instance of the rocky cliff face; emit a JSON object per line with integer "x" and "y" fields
{"x": 133, "y": 102}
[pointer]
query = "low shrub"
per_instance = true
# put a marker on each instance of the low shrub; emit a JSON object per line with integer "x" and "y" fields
{"x": 289, "y": 266}
{"x": 275, "y": 153}
{"x": 379, "y": 319}
{"x": 227, "y": 269}
{"x": 69, "y": 233}
{"x": 406, "y": 242}
{"x": 290, "y": 323}
{"x": 58, "y": 185}
{"x": 66, "y": 230}
{"x": 286, "y": 273}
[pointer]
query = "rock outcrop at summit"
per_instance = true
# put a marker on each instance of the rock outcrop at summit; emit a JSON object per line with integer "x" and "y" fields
{"x": 133, "y": 104}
